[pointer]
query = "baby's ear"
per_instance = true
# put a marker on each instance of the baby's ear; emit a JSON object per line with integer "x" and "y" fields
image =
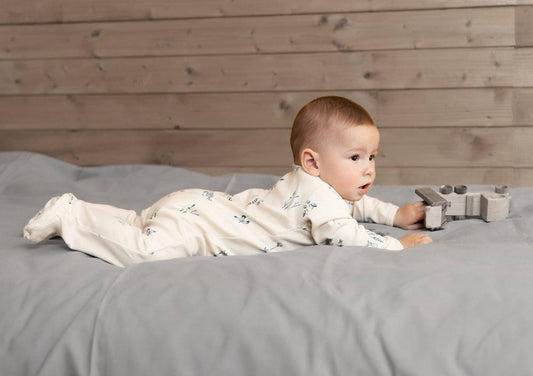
{"x": 309, "y": 162}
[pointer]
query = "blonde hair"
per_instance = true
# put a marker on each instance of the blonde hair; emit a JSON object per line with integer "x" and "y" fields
{"x": 317, "y": 117}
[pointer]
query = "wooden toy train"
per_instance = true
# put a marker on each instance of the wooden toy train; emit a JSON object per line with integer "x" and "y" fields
{"x": 452, "y": 203}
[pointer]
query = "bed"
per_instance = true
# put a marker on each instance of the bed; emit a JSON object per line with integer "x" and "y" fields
{"x": 462, "y": 305}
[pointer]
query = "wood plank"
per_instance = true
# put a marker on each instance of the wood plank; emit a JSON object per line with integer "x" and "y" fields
{"x": 187, "y": 148}
{"x": 441, "y": 147}
{"x": 522, "y": 107}
{"x": 389, "y": 108}
{"x": 524, "y": 26}
{"x": 412, "y": 176}
{"x": 215, "y": 171}
{"x": 523, "y": 63}
{"x": 524, "y": 178}
{"x": 438, "y": 176}
{"x": 456, "y": 147}
{"x": 476, "y": 27}
{"x": 441, "y": 68}
{"x": 50, "y": 11}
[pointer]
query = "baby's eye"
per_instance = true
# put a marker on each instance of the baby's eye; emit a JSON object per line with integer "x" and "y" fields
{"x": 354, "y": 157}
{"x": 372, "y": 157}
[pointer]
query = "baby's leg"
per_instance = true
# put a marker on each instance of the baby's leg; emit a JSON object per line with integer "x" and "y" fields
{"x": 46, "y": 223}
{"x": 120, "y": 237}
{"x": 115, "y": 235}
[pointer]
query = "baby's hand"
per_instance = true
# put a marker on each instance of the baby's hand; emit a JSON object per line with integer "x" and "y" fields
{"x": 410, "y": 240}
{"x": 410, "y": 216}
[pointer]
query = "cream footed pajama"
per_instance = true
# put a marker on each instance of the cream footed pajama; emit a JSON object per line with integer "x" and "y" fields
{"x": 299, "y": 210}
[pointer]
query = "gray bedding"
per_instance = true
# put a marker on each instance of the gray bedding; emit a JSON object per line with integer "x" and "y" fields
{"x": 462, "y": 305}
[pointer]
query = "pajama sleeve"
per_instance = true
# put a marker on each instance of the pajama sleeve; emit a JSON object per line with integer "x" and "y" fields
{"x": 370, "y": 209}
{"x": 332, "y": 223}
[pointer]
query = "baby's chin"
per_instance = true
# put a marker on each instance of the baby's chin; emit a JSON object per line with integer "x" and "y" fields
{"x": 352, "y": 197}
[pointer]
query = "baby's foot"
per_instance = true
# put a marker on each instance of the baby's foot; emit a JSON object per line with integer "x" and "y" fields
{"x": 47, "y": 223}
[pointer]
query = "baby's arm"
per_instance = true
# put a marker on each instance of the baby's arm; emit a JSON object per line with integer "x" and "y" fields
{"x": 332, "y": 223}
{"x": 346, "y": 231}
{"x": 370, "y": 209}
{"x": 408, "y": 217}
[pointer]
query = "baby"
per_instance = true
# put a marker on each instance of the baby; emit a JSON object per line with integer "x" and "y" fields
{"x": 334, "y": 143}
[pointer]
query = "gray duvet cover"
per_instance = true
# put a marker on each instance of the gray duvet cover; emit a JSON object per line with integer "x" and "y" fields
{"x": 460, "y": 306}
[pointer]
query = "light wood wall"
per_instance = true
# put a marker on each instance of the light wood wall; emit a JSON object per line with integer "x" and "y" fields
{"x": 213, "y": 85}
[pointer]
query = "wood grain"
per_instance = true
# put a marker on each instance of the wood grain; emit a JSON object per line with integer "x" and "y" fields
{"x": 389, "y": 108}
{"x": 440, "y": 147}
{"x": 441, "y": 68}
{"x": 416, "y": 176}
{"x": 524, "y": 26}
{"x": 50, "y": 11}
{"x": 471, "y": 27}
{"x": 437, "y": 176}
{"x": 213, "y": 85}
{"x": 522, "y": 107}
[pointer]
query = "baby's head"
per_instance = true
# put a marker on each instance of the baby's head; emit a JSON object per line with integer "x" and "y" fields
{"x": 336, "y": 139}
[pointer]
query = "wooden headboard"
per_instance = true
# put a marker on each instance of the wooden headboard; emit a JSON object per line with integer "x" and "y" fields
{"x": 214, "y": 85}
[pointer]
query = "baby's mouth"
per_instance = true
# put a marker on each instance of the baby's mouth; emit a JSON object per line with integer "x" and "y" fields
{"x": 366, "y": 186}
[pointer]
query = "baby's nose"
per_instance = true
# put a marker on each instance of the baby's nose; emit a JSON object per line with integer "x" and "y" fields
{"x": 369, "y": 167}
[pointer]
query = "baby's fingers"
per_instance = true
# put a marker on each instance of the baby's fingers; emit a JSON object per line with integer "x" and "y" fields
{"x": 423, "y": 239}
{"x": 419, "y": 205}
{"x": 410, "y": 240}
{"x": 419, "y": 208}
